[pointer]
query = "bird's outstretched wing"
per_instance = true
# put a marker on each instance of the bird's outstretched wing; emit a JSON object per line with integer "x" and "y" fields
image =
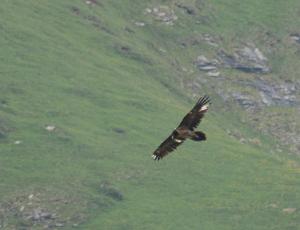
{"x": 167, "y": 146}
{"x": 193, "y": 118}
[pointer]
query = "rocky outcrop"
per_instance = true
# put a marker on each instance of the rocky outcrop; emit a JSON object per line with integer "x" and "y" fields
{"x": 267, "y": 93}
{"x": 277, "y": 93}
{"x": 248, "y": 59}
{"x": 255, "y": 96}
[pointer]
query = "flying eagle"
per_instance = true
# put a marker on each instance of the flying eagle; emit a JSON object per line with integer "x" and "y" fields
{"x": 186, "y": 129}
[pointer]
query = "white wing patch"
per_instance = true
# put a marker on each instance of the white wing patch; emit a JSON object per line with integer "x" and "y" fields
{"x": 204, "y": 107}
{"x": 178, "y": 140}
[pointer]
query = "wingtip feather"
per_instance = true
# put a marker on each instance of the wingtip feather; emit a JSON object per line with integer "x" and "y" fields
{"x": 204, "y": 100}
{"x": 155, "y": 157}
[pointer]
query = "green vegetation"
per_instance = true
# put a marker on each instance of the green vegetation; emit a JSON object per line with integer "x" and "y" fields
{"x": 113, "y": 92}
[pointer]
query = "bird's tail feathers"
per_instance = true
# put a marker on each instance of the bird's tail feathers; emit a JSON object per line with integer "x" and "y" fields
{"x": 198, "y": 136}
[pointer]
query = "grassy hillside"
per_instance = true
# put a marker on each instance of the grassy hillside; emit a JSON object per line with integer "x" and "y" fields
{"x": 88, "y": 93}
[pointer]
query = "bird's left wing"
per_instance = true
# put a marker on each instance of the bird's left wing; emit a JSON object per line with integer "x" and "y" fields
{"x": 193, "y": 118}
{"x": 167, "y": 146}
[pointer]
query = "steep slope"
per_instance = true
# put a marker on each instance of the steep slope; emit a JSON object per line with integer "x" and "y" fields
{"x": 88, "y": 91}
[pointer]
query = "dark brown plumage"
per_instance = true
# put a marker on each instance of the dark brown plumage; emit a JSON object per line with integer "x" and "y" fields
{"x": 186, "y": 129}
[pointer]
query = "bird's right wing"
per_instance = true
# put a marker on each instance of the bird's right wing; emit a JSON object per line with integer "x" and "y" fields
{"x": 167, "y": 146}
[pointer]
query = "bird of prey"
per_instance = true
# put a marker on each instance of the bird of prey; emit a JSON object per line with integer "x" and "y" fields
{"x": 186, "y": 129}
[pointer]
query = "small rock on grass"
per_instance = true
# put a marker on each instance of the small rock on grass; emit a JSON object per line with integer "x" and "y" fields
{"x": 289, "y": 210}
{"x": 50, "y": 128}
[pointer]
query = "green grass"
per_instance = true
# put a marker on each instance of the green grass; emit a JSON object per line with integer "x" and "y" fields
{"x": 68, "y": 70}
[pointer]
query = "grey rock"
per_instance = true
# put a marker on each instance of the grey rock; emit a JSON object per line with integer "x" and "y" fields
{"x": 251, "y": 54}
{"x": 226, "y": 59}
{"x": 248, "y": 59}
{"x": 207, "y": 68}
{"x": 17, "y": 142}
{"x": 47, "y": 215}
{"x": 277, "y": 93}
{"x": 213, "y": 73}
{"x": 204, "y": 64}
{"x": 59, "y": 225}
{"x": 210, "y": 40}
{"x": 244, "y": 100}
{"x": 295, "y": 37}
{"x": 148, "y": 10}
{"x": 289, "y": 210}
{"x": 265, "y": 99}
{"x": 187, "y": 9}
{"x": 201, "y": 60}
{"x": 38, "y": 214}
{"x": 50, "y": 128}
{"x": 163, "y": 14}
{"x": 251, "y": 69}
{"x": 141, "y": 24}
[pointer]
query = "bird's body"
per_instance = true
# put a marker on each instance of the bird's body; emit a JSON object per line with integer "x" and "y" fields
{"x": 182, "y": 132}
{"x": 185, "y": 130}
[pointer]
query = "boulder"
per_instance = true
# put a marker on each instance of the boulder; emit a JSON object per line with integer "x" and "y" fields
{"x": 204, "y": 64}
{"x": 248, "y": 59}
